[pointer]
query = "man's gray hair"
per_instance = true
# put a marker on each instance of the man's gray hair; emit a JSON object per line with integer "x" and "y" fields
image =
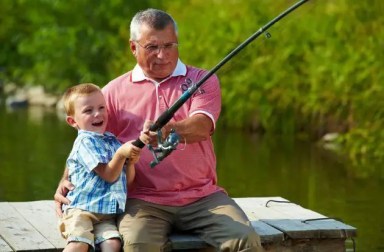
{"x": 154, "y": 18}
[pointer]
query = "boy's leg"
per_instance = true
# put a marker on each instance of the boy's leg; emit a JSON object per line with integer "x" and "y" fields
{"x": 219, "y": 221}
{"x": 145, "y": 226}
{"x": 107, "y": 237}
{"x": 111, "y": 245}
{"x": 77, "y": 227}
{"x": 76, "y": 247}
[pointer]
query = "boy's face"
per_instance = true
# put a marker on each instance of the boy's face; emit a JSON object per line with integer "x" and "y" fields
{"x": 90, "y": 113}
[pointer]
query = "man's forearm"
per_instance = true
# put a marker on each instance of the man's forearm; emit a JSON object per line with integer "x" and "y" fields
{"x": 65, "y": 175}
{"x": 193, "y": 129}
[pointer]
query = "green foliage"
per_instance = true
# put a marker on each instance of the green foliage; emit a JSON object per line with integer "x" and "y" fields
{"x": 61, "y": 43}
{"x": 320, "y": 71}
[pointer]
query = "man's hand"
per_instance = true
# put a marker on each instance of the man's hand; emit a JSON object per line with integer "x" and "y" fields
{"x": 146, "y": 136}
{"x": 60, "y": 196}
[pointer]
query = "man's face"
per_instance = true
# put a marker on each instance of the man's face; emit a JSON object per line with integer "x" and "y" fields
{"x": 156, "y": 51}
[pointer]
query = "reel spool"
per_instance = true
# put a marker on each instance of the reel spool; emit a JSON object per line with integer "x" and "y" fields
{"x": 164, "y": 148}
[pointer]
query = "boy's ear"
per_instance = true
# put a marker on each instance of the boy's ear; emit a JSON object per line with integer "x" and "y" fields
{"x": 71, "y": 121}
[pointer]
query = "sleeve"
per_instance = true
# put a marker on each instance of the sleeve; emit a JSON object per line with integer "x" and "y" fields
{"x": 92, "y": 153}
{"x": 207, "y": 99}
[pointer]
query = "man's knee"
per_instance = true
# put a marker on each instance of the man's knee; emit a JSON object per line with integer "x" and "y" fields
{"x": 252, "y": 241}
{"x": 139, "y": 236}
{"x": 135, "y": 240}
{"x": 247, "y": 240}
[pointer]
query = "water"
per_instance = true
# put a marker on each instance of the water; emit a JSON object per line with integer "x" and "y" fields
{"x": 35, "y": 142}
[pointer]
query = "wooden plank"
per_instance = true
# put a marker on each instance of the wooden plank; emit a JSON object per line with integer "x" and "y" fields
{"x": 331, "y": 228}
{"x": 18, "y": 232}
{"x": 46, "y": 223}
{"x": 4, "y": 247}
{"x": 264, "y": 208}
{"x": 316, "y": 229}
{"x": 281, "y": 227}
{"x": 294, "y": 211}
{"x": 267, "y": 233}
{"x": 294, "y": 229}
{"x": 252, "y": 202}
{"x": 274, "y": 208}
{"x": 185, "y": 242}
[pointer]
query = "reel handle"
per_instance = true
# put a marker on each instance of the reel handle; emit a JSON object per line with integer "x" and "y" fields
{"x": 164, "y": 148}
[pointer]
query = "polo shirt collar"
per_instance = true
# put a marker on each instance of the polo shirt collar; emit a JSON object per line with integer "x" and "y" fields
{"x": 138, "y": 74}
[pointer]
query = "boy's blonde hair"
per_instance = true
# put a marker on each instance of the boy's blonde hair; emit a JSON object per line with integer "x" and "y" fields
{"x": 73, "y": 92}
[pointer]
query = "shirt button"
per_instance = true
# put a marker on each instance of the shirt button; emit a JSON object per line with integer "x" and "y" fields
{"x": 160, "y": 97}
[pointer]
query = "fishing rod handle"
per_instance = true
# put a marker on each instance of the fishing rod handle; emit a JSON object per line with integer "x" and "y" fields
{"x": 154, "y": 127}
{"x": 138, "y": 143}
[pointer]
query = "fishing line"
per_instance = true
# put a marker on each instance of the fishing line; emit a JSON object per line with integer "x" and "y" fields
{"x": 272, "y": 38}
{"x": 165, "y": 117}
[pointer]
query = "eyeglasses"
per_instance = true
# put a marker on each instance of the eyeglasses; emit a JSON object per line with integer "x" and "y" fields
{"x": 156, "y": 48}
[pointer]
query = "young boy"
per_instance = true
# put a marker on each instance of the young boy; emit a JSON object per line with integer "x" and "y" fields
{"x": 95, "y": 167}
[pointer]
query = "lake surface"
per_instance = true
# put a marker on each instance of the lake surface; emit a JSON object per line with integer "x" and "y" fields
{"x": 35, "y": 142}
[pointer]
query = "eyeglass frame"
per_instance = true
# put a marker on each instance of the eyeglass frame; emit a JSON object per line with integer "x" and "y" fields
{"x": 156, "y": 48}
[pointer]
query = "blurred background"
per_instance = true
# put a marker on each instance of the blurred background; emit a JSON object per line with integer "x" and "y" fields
{"x": 303, "y": 108}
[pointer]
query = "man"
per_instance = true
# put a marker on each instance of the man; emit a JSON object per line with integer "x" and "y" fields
{"x": 181, "y": 193}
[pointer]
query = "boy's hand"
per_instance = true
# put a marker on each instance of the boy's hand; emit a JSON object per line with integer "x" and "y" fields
{"x": 129, "y": 151}
{"x": 134, "y": 158}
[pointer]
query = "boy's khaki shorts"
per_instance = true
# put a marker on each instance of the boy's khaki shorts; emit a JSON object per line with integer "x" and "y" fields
{"x": 87, "y": 227}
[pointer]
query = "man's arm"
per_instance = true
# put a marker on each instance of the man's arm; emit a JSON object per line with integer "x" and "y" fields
{"x": 193, "y": 129}
{"x": 62, "y": 190}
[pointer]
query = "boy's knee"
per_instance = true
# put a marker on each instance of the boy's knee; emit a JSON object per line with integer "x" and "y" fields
{"x": 76, "y": 247}
{"x": 111, "y": 245}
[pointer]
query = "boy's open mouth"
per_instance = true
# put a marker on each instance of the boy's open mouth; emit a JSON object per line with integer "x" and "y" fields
{"x": 98, "y": 124}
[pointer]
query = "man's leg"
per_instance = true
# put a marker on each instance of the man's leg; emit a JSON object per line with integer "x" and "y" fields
{"x": 144, "y": 226}
{"x": 220, "y": 222}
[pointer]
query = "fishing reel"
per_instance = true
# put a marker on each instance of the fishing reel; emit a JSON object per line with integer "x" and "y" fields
{"x": 164, "y": 148}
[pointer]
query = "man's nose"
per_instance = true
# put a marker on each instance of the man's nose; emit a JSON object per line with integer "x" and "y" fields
{"x": 161, "y": 52}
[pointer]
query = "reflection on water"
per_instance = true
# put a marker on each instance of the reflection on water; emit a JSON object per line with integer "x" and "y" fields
{"x": 34, "y": 144}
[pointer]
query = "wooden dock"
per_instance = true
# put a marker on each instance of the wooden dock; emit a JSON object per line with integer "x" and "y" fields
{"x": 283, "y": 226}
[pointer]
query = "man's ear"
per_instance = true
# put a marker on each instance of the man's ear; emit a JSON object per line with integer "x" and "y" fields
{"x": 133, "y": 47}
{"x": 71, "y": 121}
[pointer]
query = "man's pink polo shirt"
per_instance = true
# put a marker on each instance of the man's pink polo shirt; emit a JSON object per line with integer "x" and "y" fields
{"x": 187, "y": 174}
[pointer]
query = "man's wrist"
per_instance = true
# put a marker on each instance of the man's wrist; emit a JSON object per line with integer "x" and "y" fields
{"x": 168, "y": 127}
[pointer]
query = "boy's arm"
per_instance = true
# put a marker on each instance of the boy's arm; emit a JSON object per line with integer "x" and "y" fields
{"x": 130, "y": 172}
{"x": 111, "y": 171}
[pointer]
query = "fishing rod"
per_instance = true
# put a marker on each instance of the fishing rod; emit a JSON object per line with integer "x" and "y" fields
{"x": 166, "y": 147}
